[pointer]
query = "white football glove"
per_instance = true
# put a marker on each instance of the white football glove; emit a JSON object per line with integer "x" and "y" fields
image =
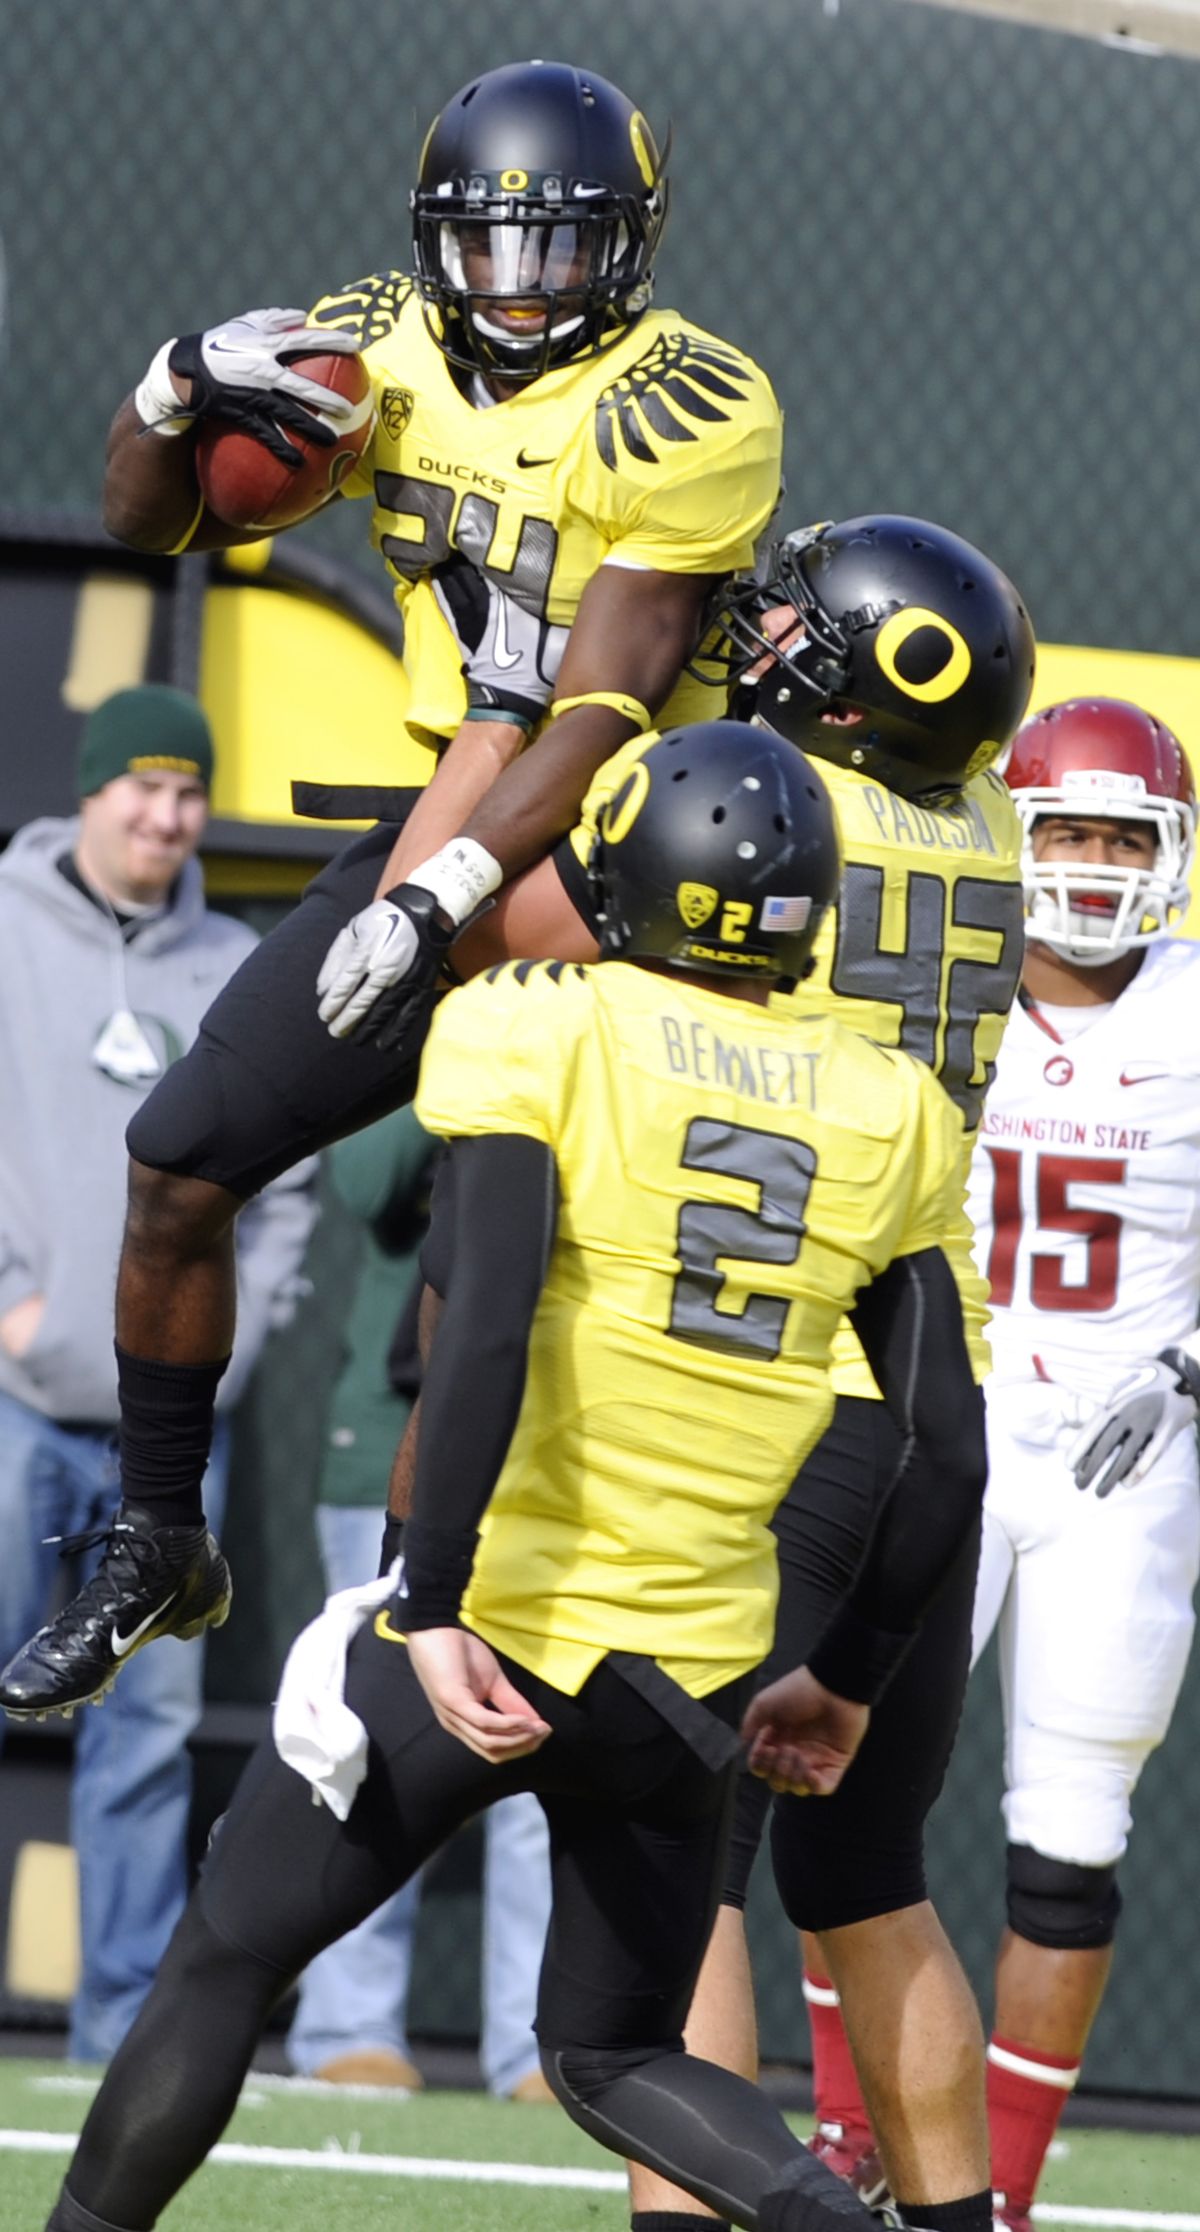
{"x": 255, "y": 351}
{"x": 1142, "y": 1416}
{"x": 242, "y": 372}
{"x": 375, "y": 951}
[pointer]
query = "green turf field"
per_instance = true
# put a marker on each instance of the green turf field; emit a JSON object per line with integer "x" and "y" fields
{"x": 298, "y": 2158}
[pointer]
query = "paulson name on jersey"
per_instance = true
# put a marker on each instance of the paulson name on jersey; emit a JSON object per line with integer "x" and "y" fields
{"x": 1086, "y": 1196}
{"x": 663, "y": 451}
{"x": 923, "y": 953}
{"x": 729, "y": 1178}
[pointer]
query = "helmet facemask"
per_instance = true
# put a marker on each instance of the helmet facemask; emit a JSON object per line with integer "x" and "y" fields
{"x": 912, "y": 659}
{"x": 780, "y": 621}
{"x": 575, "y": 267}
{"x": 1092, "y": 912}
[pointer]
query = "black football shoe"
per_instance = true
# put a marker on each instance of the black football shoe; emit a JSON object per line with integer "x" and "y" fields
{"x": 151, "y": 1581}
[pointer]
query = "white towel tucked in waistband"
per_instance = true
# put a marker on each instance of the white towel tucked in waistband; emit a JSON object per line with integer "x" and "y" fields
{"x": 314, "y": 1729}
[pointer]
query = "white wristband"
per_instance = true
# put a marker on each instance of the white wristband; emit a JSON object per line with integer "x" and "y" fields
{"x": 460, "y": 877}
{"x": 155, "y": 400}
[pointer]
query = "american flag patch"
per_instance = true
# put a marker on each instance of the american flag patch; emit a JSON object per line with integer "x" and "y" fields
{"x": 785, "y": 914}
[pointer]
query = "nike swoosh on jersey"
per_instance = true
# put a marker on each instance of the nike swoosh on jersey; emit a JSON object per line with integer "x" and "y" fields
{"x": 502, "y": 656}
{"x": 122, "y": 1644}
{"x": 526, "y": 462}
{"x": 1138, "y": 1074}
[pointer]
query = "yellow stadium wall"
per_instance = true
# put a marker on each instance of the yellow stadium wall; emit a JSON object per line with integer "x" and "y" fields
{"x": 296, "y": 688}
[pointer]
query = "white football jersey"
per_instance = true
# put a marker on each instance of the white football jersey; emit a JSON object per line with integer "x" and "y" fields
{"x": 1085, "y": 1183}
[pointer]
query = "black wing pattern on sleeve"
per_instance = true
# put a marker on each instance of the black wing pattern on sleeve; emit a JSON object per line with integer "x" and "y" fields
{"x": 521, "y": 971}
{"x": 367, "y": 308}
{"x": 679, "y": 378}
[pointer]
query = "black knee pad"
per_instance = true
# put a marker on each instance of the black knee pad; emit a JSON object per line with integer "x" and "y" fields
{"x": 1058, "y": 1904}
{"x": 176, "y": 1124}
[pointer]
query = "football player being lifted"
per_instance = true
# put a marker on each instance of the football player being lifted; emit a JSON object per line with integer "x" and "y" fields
{"x": 541, "y": 430}
{"x": 1085, "y": 1187}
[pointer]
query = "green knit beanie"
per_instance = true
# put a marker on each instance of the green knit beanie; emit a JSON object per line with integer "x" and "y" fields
{"x": 138, "y": 731}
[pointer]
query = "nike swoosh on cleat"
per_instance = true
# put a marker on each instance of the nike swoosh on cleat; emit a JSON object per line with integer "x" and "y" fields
{"x": 122, "y": 1644}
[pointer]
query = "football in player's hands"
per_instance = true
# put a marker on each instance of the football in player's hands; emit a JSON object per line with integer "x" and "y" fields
{"x": 247, "y": 486}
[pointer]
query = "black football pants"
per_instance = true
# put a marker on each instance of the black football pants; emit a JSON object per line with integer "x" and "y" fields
{"x": 861, "y": 1852}
{"x": 637, "y": 1822}
{"x": 265, "y": 1084}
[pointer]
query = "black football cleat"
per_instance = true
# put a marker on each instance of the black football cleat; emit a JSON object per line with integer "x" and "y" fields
{"x": 151, "y": 1581}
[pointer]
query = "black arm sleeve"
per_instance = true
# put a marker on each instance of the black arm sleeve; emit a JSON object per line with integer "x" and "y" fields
{"x": 503, "y": 1202}
{"x": 909, "y": 1321}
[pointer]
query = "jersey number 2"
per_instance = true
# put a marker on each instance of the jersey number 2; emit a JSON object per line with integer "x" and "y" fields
{"x": 783, "y": 1170}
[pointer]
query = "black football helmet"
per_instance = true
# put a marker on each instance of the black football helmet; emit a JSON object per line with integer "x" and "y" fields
{"x": 539, "y": 204}
{"x": 718, "y": 854}
{"x": 912, "y": 661}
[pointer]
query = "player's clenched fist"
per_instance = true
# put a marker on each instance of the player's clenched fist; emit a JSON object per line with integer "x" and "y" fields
{"x": 380, "y": 965}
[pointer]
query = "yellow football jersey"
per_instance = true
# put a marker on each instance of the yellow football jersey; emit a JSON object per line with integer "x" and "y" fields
{"x": 664, "y": 451}
{"x": 924, "y": 954}
{"x": 729, "y": 1178}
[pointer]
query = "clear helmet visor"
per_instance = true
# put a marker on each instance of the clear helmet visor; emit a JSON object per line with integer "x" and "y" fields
{"x": 479, "y": 258}
{"x": 516, "y": 276}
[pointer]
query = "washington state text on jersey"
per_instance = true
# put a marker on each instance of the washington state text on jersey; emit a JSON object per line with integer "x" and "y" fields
{"x": 1065, "y": 1131}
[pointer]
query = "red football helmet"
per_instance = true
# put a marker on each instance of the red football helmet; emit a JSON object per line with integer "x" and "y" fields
{"x": 1103, "y": 757}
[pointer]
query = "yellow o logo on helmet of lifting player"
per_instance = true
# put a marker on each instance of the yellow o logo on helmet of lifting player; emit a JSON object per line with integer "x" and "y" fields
{"x": 897, "y": 631}
{"x": 514, "y": 181}
{"x": 644, "y": 150}
{"x": 623, "y": 808}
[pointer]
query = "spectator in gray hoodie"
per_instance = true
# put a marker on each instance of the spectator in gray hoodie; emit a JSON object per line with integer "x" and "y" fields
{"x": 111, "y": 957}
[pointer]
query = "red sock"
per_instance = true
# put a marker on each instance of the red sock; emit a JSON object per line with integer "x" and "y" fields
{"x": 836, "y": 2095}
{"x": 1027, "y": 2091}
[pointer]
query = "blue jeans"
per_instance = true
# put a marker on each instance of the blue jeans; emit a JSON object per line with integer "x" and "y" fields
{"x": 131, "y": 1782}
{"x": 355, "y": 1994}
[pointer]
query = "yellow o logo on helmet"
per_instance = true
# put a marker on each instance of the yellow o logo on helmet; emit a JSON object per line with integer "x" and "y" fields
{"x": 514, "y": 181}
{"x": 896, "y": 632}
{"x": 644, "y": 151}
{"x": 622, "y": 810}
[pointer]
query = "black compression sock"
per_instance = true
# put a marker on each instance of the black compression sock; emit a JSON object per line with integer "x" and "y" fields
{"x": 974, "y": 2214}
{"x": 166, "y": 1434}
{"x": 670, "y": 2220}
